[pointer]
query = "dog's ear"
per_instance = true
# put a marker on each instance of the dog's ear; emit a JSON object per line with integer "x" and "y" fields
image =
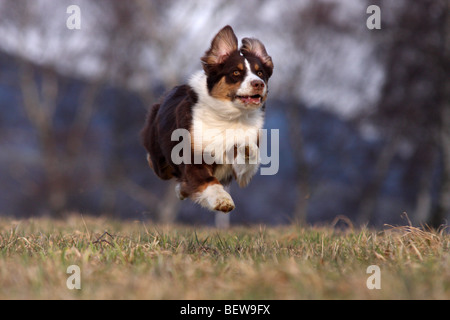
{"x": 223, "y": 44}
{"x": 256, "y": 48}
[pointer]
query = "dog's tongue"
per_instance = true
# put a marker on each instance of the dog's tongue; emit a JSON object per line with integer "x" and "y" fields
{"x": 249, "y": 99}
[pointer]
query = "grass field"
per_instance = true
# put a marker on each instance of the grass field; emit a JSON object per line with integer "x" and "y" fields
{"x": 136, "y": 260}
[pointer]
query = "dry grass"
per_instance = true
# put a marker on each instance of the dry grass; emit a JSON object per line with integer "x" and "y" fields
{"x": 134, "y": 260}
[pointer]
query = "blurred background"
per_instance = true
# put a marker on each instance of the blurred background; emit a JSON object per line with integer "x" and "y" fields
{"x": 364, "y": 115}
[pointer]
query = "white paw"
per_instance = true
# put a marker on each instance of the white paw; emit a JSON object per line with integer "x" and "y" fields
{"x": 225, "y": 204}
{"x": 215, "y": 198}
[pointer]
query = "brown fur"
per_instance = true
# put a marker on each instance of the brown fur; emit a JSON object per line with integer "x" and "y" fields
{"x": 224, "y": 90}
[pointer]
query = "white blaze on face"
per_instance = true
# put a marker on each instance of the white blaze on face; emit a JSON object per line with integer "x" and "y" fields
{"x": 246, "y": 92}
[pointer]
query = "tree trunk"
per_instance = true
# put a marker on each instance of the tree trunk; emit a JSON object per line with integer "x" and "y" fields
{"x": 369, "y": 197}
{"x": 443, "y": 210}
{"x": 423, "y": 208}
{"x": 301, "y": 167}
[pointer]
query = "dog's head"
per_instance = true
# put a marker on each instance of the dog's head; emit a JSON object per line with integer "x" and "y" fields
{"x": 237, "y": 75}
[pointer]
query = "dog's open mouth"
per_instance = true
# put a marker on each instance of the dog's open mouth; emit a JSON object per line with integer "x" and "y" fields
{"x": 255, "y": 99}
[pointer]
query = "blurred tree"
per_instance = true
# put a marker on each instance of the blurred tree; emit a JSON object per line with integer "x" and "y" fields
{"x": 62, "y": 153}
{"x": 42, "y": 91}
{"x": 66, "y": 167}
{"x": 409, "y": 111}
{"x": 443, "y": 54}
{"x": 310, "y": 27}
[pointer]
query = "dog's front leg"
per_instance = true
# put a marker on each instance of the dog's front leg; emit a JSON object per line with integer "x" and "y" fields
{"x": 246, "y": 164}
{"x": 202, "y": 187}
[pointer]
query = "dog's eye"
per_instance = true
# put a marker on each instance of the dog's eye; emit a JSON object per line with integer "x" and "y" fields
{"x": 236, "y": 73}
{"x": 259, "y": 74}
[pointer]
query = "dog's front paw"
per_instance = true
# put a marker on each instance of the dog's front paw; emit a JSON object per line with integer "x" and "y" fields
{"x": 215, "y": 198}
{"x": 224, "y": 204}
{"x": 220, "y": 200}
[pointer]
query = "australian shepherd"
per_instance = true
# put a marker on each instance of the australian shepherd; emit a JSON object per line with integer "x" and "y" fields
{"x": 221, "y": 109}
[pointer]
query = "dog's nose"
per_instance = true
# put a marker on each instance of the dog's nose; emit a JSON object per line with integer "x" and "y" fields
{"x": 257, "y": 84}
